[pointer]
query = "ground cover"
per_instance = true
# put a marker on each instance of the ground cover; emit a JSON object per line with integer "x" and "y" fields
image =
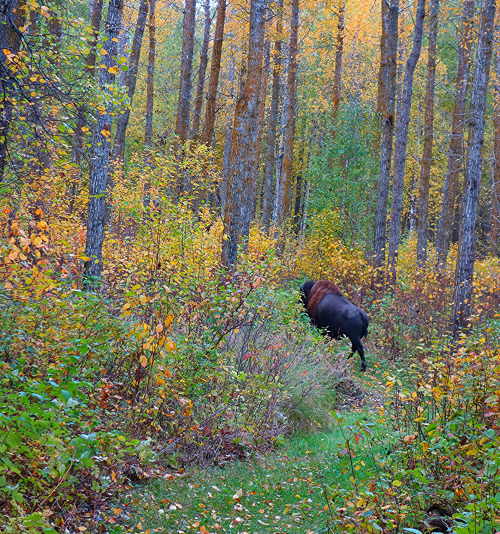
{"x": 281, "y": 491}
{"x": 288, "y": 489}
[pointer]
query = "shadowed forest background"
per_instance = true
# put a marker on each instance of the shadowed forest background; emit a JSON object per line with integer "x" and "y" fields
{"x": 170, "y": 173}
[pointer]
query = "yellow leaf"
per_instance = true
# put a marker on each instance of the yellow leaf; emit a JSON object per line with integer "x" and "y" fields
{"x": 159, "y": 328}
{"x": 397, "y": 483}
{"x": 125, "y": 307}
{"x": 143, "y": 360}
{"x": 169, "y": 320}
{"x": 425, "y": 446}
{"x": 170, "y": 345}
{"x": 113, "y": 70}
{"x": 103, "y": 52}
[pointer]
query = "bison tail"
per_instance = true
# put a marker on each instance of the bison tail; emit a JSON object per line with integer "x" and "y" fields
{"x": 365, "y": 324}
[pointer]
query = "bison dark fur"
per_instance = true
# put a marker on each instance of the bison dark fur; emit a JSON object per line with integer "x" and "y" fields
{"x": 334, "y": 314}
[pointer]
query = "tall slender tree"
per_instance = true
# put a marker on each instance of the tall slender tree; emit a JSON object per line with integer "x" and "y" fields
{"x": 267, "y": 200}
{"x": 78, "y": 136}
{"x": 283, "y": 186}
{"x": 386, "y": 103}
{"x": 339, "y": 50}
{"x": 495, "y": 197}
{"x": 130, "y": 81}
{"x": 213, "y": 82}
{"x": 101, "y": 145}
{"x": 148, "y": 133}
{"x": 228, "y": 125}
{"x": 425, "y": 170}
{"x": 185, "y": 87}
{"x": 455, "y": 154}
{"x": 241, "y": 181}
{"x": 11, "y": 19}
{"x": 402, "y": 138}
{"x": 466, "y": 245}
{"x": 198, "y": 101}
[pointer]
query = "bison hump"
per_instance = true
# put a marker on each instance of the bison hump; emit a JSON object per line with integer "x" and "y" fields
{"x": 319, "y": 290}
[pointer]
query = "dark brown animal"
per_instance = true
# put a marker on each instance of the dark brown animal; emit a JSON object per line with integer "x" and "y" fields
{"x": 334, "y": 314}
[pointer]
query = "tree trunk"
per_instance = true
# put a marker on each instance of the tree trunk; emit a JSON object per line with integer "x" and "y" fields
{"x": 213, "y": 82}
{"x": 267, "y": 201}
{"x": 466, "y": 245}
{"x": 283, "y": 192}
{"x": 382, "y": 102}
{"x": 198, "y": 101}
{"x": 425, "y": 171}
{"x": 182, "y": 121}
{"x": 148, "y": 134}
{"x": 227, "y": 141}
{"x": 262, "y": 109}
{"x": 130, "y": 82}
{"x": 455, "y": 155}
{"x": 386, "y": 103}
{"x": 101, "y": 146}
{"x": 338, "y": 59}
{"x": 77, "y": 145}
{"x": 11, "y": 18}
{"x": 401, "y": 140}
{"x": 495, "y": 200}
{"x": 241, "y": 181}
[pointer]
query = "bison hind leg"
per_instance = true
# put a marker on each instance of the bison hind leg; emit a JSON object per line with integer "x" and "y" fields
{"x": 357, "y": 346}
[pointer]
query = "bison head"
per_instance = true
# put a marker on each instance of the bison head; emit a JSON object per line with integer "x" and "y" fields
{"x": 305, "y": 289}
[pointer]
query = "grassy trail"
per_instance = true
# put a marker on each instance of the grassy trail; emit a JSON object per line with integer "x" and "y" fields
{"x": 279, "y": 492}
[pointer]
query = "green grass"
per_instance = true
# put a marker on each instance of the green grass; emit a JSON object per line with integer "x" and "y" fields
{"x": 282, "y": 491}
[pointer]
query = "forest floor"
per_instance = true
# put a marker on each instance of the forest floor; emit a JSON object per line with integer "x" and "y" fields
{"x": 281, "y": 491}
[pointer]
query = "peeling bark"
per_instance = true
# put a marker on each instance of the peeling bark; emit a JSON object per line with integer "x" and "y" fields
{"x": 425, "y": 170}
{"x": 402, "y": 139}
{"x": 241, "y": 183}
{"x": 455, "y": 155}
{"x": 466, "y": 245}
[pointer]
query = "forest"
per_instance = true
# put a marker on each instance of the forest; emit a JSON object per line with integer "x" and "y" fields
{"x": 172, "y": 174}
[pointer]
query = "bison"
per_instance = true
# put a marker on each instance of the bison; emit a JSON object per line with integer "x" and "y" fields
{"x": 331, "y": 311}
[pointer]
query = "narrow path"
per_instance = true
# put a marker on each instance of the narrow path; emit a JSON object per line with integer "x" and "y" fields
{"x": 279, "y": 492}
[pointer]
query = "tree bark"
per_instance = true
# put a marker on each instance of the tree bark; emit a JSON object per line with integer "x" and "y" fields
{"x": 241, "y": 181}
{"x": 213, "y": 82}
{"x": 148, "y": 133}
{"x": 425, "y": 171}
{"x": 450, "y": 193}
{"x": 466, "y": 245}
{"x": 386, "y": 105}
{"x": 382, "y": 102}
{"x": 130, "y": 82}
{"x": 261, "y": 113}
{"x": 101, "y": 147}
{"x": 401, "y": 140}
{"x": 283, "y": 191}
{"x": 227, "y": 141}
{"x": 267, "y": 201}
{"x": 338, "y": 59}
{"x": 495, "y": 200}
{"x": 77, "y": 144}
{"x": 11, "y": 19}
{"x": 198, "y": 101}
{"x": 185, "y": 86}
